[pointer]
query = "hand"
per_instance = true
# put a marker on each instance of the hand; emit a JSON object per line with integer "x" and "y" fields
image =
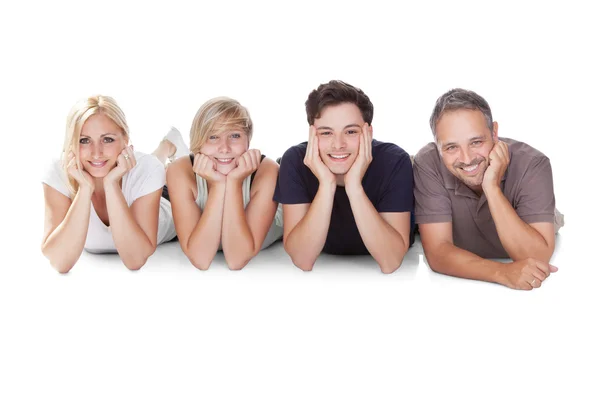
{"x": 499, "y": 159}
{"x": 206, "y": 168}
{"x": 355, "y": 174}
{"x": 313, "y": 160}
{"x": 246, "y": 164}
{"x": 125, "y": 162}
{"x": 527, "y": 274}
{"x": 76, "y": 171}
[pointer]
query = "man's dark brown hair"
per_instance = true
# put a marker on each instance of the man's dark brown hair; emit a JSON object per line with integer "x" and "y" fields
{"x": 337, "y": 92}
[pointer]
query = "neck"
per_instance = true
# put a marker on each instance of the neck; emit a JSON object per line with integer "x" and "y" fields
{"x": 339, "y": 180}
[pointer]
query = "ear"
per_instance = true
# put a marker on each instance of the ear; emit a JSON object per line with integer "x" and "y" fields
{"x": 495, "y": 132}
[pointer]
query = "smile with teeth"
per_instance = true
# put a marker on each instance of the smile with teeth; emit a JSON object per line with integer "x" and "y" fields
{"x": 98, "y": 164}
{"x": 339, "y": 157}
{"x": 224, "y": 160}
{"x": 471, "y": 168}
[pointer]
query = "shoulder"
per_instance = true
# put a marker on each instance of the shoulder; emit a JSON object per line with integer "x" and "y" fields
{"x": 295, "y": 153}
{"x": 428, "y": 155}
{"x": 146, "y": 163}
{"x": 389, "y": 156}
{"x": 55, "y": 176}
{"x": 267, "y": 172}
{"x": 180, "y": 170}
{"x": 522, "y": 153}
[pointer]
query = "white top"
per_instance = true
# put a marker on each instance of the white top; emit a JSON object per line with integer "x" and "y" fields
{"x": 146, "y": 177}
{"x": 275, "y": 231}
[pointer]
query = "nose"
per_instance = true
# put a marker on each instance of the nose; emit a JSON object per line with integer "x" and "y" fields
{"x": 339, "y": 141}
{"x": 97, "y": 150}
{"x": 224, "y": 147}
{"x": 466, "y": 155}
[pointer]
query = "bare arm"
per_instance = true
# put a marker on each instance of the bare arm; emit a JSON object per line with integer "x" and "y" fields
{"x": 199, "y": 232}
{"x": 133, "y": 229}
{"x": 444, "y": 257}
{"x": 305, "y": 227}
{"x": 385, "y": 235}
{"x": 244, "y": 230}
{"x": 519, "y": 239}
{"x": 65, "y": 226}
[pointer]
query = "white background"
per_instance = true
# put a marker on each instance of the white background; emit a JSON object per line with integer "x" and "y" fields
{"x": 271, "y": 331}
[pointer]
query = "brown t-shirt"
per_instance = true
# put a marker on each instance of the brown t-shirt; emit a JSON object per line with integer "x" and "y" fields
{"x": 441, "y": 197}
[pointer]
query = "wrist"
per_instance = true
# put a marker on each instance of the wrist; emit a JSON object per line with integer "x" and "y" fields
{"x": 353, "y": 188}
{"x": 234, "y": 180}
{"x": 490, "y": 188}
{"x": 85, "y": 190}
{"x": 499, "y": 272}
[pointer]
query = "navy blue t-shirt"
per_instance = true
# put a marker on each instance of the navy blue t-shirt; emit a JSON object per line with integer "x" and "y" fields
{"x": 388, "y": 183}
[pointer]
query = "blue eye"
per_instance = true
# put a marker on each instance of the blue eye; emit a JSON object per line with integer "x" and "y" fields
{"x": 235, "y": 136}
{"x": 213, "y": 137}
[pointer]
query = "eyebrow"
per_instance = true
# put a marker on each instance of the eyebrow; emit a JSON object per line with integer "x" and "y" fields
{"x": 346, "y": 127}
{"x": 106, "y": 134}
{"x": 470, "y": 140}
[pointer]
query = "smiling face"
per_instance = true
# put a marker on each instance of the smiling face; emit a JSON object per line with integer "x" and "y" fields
{"x": 465, "y": 142}
{"x": 100, "y": 143}
{"x": 224, "y": 147}
{"x": 338, "y": 130}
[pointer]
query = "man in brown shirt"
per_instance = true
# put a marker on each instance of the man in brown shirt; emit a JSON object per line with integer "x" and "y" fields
{"x": 478, "y": 196}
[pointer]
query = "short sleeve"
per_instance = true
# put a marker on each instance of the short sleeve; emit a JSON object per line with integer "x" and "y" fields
{"x": 290, "y": 188}
{"x": 535, "y": 199}
{"x": 146, "y": 177}
{"x": 397, "y": 195}
{"x": 432, "y": 201}
{"x": 55, "y": 177}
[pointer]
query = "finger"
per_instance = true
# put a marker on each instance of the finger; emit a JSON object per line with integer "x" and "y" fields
{"x": 542, "y": 267}
{"x": 538, "y": 275}
{"x": 535, "y": 283}
{"x": 256, "y": 159}
{"x": 552, "y": 268}
{"x": 369, "y": 147}
{"x": 242, "y": 161}
{"x": 121, "y": 161}
{"x": 128, "y": 154}
{"x": 309, "y": 146}
{"x": 502, "y": 150}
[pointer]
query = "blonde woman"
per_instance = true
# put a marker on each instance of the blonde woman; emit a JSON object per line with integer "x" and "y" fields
{"x": 222, "y": 194}
{"x": 102, "y": 196}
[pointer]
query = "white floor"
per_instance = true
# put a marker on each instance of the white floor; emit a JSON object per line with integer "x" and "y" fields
{"x": 344, "y": 330}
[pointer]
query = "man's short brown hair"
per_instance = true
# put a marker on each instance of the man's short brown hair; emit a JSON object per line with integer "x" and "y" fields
{"x": 337, "y": 92}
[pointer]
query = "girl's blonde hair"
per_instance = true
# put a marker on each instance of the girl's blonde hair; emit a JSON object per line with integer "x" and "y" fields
{"x": 77, "y": 117}
{"x": 218, "y": 115}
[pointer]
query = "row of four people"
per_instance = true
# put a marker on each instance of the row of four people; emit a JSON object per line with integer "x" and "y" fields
{"x": 342, "y": 192}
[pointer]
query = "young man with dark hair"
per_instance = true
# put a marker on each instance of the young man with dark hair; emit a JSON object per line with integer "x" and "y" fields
{"x": 479, "y": 196}
{"x": 343, "y": 192}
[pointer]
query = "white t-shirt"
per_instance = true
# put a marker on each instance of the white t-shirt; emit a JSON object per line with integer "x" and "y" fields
{"x": 146, "y": 177}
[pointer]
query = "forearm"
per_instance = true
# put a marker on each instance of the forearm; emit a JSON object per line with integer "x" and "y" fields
{"x": 448, "y": 259}
{"x": 236, "y": 239}
{"x": 132, "y": 243}
{"x": 64, "y": 245}
{"x": 305, "y": 242}
{"x": 203, "y": 243}
{"x": 520, "y": 240}
{"x": 384, "y": 243}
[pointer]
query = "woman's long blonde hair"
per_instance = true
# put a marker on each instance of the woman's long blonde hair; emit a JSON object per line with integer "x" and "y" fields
{"x": 218, "y": 115}
{"x": 77, "y": 117}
